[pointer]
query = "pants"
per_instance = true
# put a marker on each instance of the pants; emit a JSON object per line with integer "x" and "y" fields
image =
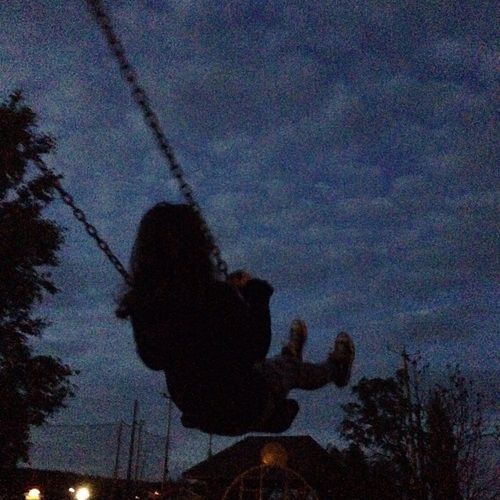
{"x": 288, "y": 371}
{"x": 285, "y": 372}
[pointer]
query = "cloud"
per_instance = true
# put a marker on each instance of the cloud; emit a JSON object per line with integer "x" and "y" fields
{"x": 347, "y": 154}
{"x": 448, "y": 322}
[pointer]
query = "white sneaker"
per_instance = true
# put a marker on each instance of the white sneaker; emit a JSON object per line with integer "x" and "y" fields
{"x": 296, "y": 339}
{"x": 341, "y": 359}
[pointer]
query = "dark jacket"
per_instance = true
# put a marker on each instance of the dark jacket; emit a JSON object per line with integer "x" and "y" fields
{"x": 207, "y": 344}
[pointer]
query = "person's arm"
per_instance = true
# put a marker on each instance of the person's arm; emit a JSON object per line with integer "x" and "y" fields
{"x": 257, "y": 293}
{"x": 242, "y": 320}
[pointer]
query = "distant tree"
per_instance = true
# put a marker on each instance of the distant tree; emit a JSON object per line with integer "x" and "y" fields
{"x": 32, "y": 387}
{"x": 361, "y": 478}
{"x": 427, "y": 437}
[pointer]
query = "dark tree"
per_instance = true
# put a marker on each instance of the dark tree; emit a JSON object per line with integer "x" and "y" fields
{"x": 442, "y": 461}
{"x": 361, "y": 478}
{"x": 426, "y": 437}
{"x": 32, "y": 387}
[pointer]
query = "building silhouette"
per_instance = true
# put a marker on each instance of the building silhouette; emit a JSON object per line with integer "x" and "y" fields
{"x": 266, "y": 467}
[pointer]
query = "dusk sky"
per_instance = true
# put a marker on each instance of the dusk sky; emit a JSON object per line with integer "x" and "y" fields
{"x": 345, "y": 151}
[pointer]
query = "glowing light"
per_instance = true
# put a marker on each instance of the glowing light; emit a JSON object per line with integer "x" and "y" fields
{"x": 274, "y": 455}
{"x": 82, "y": 493}
{"x": 71, "y": 490}
{"x": 33, "y": 494}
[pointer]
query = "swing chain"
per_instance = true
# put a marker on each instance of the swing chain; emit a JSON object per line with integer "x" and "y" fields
{"x": 151, "y": 118}
{"x": 80, "y": 216}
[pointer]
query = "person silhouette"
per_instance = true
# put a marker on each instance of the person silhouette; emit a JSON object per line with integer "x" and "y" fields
{"x": 211, "y": 336}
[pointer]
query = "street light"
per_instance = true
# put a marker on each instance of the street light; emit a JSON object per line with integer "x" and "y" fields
{"x": 33, "y": 494}
{"x": 82, "y": 493}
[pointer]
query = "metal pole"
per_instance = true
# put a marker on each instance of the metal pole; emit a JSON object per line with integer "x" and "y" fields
{"x": 132, "y": 445}
{"x": 138, "y": 451}
{"x": 166, "y": 472}
{"x": 116, "y": 469}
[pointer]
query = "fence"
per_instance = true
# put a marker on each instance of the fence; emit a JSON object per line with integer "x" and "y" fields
{"x": 105, "y": 450}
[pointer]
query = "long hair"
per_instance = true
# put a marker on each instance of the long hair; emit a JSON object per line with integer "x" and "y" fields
{"x": 171, "y": 251}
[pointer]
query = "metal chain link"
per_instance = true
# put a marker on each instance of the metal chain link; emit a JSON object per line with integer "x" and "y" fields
{"x": 80, "y": 215}
{"x": 151, "y": 118}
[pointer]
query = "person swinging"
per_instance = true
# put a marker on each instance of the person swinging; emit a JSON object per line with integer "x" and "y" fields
{"x": 211, "y": 337}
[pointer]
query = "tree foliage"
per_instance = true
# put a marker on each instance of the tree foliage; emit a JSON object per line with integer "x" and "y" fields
{"x": 427, "y": 437}
{"x": 32, "y": 386}
{"x": 361, "y": 478}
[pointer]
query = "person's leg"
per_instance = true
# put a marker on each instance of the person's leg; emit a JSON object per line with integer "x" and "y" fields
{"x": 282, "y": 374}
{"x": 292, "y": 373}
{"x": 287, "y": 371}
{"x": 341, "y": 359}
{"x": 297, "y": 338}
{"x": 336, "y": 369}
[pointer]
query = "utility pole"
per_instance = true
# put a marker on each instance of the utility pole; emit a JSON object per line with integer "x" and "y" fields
{"x": 116, "y": 468}
{"x": 210, "y": 439}
{"x": 415, "y": 428}
{"x": 166, "y": 472}
{"x": 132, "y": 446}
{"x": 138, "y": 452}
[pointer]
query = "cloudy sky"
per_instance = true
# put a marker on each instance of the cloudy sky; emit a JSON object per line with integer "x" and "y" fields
{"x": 344, "y": 151}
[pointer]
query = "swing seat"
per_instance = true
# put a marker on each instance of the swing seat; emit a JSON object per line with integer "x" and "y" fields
{"x": 279, "y": 422}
